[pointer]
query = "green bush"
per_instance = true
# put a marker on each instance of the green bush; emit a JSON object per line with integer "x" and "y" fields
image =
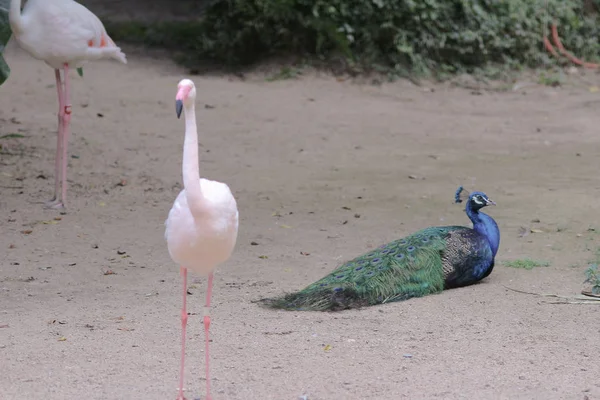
{"x": 4, "y": 36}
{"x": 424, "y": 36}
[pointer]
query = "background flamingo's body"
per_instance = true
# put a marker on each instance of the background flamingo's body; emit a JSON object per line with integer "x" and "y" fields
{"x": 64, "y": 34}
{"x": 202, "y": 226}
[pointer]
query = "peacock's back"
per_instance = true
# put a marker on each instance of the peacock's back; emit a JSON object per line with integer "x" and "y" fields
{"x": 423, "y": 263}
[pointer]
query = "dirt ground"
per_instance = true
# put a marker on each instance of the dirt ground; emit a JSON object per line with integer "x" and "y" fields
{"x": 323, "y": 171}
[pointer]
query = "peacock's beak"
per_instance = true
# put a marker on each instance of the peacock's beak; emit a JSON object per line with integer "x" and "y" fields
{"x": 178, "y": 107}
{"x": 490, "y": 202}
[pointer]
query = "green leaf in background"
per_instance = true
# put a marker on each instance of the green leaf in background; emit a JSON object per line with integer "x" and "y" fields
{"x": 80, "y": 72}
{"x": 4, "y": 36}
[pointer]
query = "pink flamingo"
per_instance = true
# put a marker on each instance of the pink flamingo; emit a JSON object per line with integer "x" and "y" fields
{"x": 63, "y": 34}
{"x": 202, "y": 226}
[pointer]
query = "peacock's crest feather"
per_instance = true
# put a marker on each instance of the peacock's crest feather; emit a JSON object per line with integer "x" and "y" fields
{"x": 461, "y": 195}
{"x": 420, "y": 264}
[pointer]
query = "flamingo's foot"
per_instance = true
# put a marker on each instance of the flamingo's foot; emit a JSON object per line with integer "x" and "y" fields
{"x": 55, "y": 204}
{"x": 180, "y": 397}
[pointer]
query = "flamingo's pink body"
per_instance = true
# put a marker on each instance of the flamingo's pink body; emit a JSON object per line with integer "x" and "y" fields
{"x": 202, "y": 226}
{"x": 202, "y": 241}
{"x": 65, "y": 35}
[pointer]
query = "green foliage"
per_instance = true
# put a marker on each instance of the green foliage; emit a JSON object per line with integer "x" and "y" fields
{"x": 592, "y": 275}
{"x": 526, "y": 263}
{"x": 423, "y": 36}
{"x": 4, "y": 36}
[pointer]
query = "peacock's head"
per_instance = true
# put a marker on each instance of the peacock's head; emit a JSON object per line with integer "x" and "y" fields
{"x": 186, "y": 95}
{"x": 475, "y": 200}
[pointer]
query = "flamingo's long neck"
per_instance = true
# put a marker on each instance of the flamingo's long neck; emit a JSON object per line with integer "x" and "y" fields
{"x": 190, "y": 168}
{"x": 14, "y": 16}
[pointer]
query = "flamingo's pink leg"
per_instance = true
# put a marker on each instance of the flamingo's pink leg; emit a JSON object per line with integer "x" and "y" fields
{"x": 206, "y": 328}
{"x": 66, "y": 134}
{"x": 63, "y": 140}
{"x": 59, "y": 140}
{"x": 184, "y": 318}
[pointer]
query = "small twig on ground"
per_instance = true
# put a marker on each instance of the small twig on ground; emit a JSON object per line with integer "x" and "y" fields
{"x": 566, "y": 299}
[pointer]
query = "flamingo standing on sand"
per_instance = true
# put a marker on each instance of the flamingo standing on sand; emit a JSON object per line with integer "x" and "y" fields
{"x": 64, "y": 34}
{"x": 202, "y": 226}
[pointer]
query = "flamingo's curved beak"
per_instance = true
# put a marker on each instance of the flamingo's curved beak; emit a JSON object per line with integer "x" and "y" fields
{"x": 178, "y": 107}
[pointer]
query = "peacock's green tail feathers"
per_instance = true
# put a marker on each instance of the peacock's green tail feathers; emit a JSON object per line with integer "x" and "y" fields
{"x": 399, "y": 270}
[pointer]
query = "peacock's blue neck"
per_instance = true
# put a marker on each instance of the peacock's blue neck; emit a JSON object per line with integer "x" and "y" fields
{"x": 485, "y": 225}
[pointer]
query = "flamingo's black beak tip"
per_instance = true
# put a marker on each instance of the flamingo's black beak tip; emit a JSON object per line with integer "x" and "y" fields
{"x": 178, "y": 107}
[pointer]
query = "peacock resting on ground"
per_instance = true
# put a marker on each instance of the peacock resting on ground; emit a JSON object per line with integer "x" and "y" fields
{"x": 426, "y": 262}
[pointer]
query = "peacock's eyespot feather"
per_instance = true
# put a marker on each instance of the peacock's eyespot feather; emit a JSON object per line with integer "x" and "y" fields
{"x": 340, "y": 276}
{"x": 338, "y": 289}
{"x": 411, "y": 248}
{"x": 399, "y": 256}
{"x": 376, "y": 260}
{"x": 358, "y": 268}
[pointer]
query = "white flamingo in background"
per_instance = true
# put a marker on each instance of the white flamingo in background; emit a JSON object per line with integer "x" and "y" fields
{"x": 202, "y": 226}
{"x": 65, "y": 35}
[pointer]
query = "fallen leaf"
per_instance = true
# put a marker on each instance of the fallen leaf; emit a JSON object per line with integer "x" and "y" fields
{"x": 263, "y": 257}
{"x": 285, "y": 226}
{"x": 26, "y": 231}
{"x": 109, "y": 272}
{"x": 537, "y": 231}
{"x": 62, "y": 339}
{"x": 327, "y": 347}
{"x": 593, "y": 89}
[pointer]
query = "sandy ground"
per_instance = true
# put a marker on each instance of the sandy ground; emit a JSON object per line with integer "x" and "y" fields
{"x": 323, "y": 171}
